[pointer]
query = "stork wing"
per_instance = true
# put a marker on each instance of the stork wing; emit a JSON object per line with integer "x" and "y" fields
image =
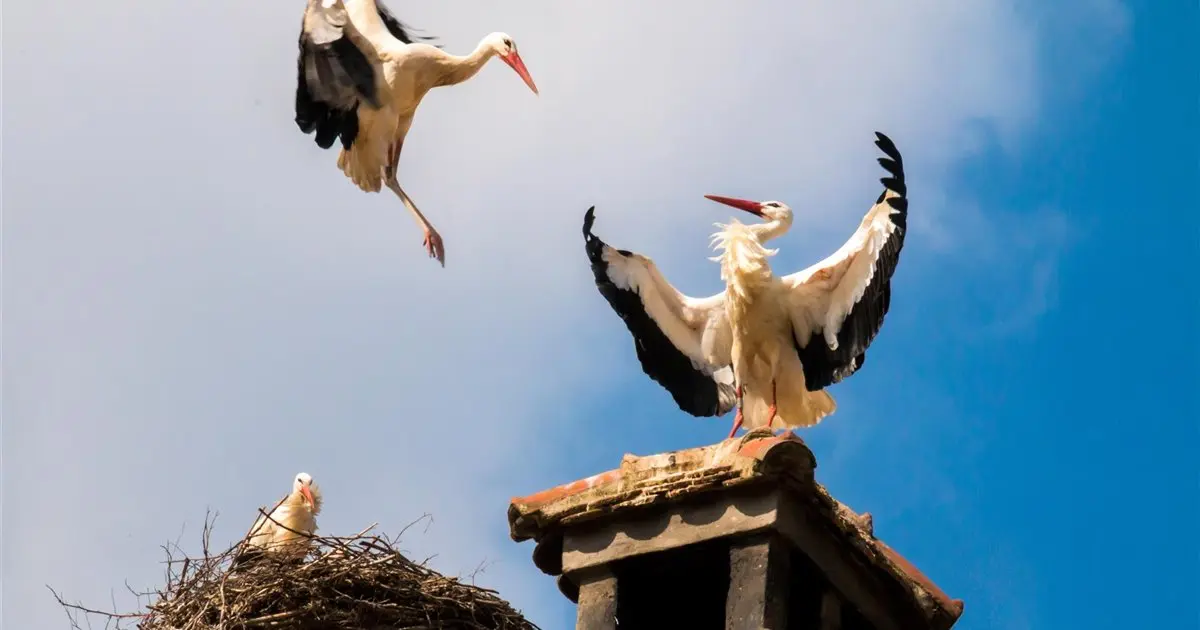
{"x": 398, "y": 29}
{"x": 838, "y": 304}
{"x": 263, "y": 528}
{"x": 672, "y": 333}
{"x": 334, "y": 74}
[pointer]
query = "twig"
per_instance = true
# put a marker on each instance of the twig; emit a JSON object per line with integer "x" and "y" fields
{"x": 350, "y": 582}
{"x": 423, "y": 517}
{"x": 89, "y": 611}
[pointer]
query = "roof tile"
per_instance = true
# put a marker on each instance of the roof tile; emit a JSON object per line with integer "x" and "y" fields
{"x": 758, "y": 457}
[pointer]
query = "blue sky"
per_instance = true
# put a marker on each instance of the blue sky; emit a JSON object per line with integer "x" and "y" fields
{"x": 197, "y": 305}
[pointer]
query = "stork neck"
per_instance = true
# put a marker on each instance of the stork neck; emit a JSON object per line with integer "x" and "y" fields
{"x": 747, "y": 279}
{"x": 744, "y": 265}
{"x": 458, "y": 68}
{"x": 772, "y": 229}
{"x": 296, "y": 501}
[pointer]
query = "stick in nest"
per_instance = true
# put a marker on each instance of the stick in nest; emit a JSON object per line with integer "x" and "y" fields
{"x": 350, "y": 582}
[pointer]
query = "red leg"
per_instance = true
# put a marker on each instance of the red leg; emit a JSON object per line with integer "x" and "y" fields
{"x": 771, "y": 410}
{"x": 432, "y": 241}
{"x": 737, "y": 419}
{"x": 737, "y": 423}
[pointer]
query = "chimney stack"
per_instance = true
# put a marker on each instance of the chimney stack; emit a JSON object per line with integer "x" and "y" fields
{"x": 737, "y": 535}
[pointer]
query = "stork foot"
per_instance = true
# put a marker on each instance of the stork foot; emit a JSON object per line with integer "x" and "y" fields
{"x": 737, "y": 424}
{"x": 434, "y": 247}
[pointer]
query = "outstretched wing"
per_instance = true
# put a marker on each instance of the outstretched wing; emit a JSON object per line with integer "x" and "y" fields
{"x": 333, "y": 75}
{"x": 398, "y": 29}
{"x": 672, "y": 333}
{"x": 838, "y": 304}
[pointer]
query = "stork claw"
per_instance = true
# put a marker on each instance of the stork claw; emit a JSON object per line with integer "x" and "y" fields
{"x": 434, "y": 247}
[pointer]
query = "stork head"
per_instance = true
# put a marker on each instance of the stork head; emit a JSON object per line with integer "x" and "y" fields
{"x": 769, "y": 210}
{"x": 506, "y": 49}
{"x": 307, "y": 491}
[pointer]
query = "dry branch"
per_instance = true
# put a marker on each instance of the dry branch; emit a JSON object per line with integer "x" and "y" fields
{"x": 357, "y": 582}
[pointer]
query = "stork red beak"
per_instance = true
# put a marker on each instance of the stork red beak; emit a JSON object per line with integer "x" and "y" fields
{"x": 514, "y": 61}
{"x": 308, "y": 496}
{"x": 753, "y": 207}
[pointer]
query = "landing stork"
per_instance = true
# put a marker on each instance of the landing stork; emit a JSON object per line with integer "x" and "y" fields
{"x": 767, "y": 345}
{"x": 362, "y": 76}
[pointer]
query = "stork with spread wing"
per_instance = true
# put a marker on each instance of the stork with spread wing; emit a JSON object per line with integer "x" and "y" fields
{"x": 767, "y": 345}
{"x": 360, "y": 77}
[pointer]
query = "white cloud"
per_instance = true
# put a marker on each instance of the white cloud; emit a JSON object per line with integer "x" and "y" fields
{"x": 1009, "y": 262}
{"x": 1036, "y": 244}
{"x": 198, "y": 305}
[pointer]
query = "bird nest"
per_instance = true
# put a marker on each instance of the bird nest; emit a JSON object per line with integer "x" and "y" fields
{"x": 360, "y": 582}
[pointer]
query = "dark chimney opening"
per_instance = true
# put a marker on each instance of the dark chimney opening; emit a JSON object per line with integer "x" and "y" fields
{"x": 687, "y": 587}
{"x": 680, "y": 588}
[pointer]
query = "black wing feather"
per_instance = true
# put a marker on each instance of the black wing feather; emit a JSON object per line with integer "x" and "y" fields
{"x": 694, "y": 390}
{"x": 824, "y": 367}
{"x": 333, "y": 76}
{"x": 398, "y": 28}
{"x": 327, "y": 120}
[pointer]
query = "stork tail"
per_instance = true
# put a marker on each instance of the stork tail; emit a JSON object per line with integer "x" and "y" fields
{"x": 796, "y": 409}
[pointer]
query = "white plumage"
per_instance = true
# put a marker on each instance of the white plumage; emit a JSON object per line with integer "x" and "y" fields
{"x": 362, "y": 76}
{"x": 785, "y": 339}
{"x": 288, "y": 531}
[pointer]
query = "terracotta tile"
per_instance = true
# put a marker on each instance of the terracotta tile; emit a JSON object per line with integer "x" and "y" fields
{"x": 654, "y": 479}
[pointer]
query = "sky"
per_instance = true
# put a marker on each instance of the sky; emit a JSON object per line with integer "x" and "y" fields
{"x": 198, "y": 305}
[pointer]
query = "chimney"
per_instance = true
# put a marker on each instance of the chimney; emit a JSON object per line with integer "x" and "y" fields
{"x": 736, "y": 535}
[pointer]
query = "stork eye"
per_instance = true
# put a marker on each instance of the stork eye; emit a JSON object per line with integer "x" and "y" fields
{"x": 508, "y": 42}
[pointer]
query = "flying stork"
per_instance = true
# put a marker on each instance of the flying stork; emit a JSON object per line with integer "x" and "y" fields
{"x": 362, "y": 75}
{"x": 767, "y": 345}
{"x": 287, "y": 532}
